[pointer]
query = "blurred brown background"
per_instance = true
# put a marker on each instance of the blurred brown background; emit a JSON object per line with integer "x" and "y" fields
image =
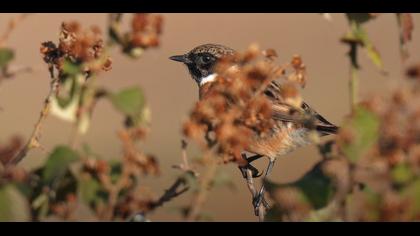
{"x": 171, "y": 92}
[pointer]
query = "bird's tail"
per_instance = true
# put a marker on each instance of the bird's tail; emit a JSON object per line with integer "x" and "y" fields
{"x": 327, "y": 129}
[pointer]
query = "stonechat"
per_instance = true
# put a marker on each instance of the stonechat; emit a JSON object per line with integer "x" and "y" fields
{"x": 287, "y": 135}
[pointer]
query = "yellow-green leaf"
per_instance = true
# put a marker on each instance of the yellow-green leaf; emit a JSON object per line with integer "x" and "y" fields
{"x": 129, "y": 101}
{"x": 401, "y": 173}
{"x": 13, "y": 205}
{"x": 6, "y": 55}
{"x": 58, "y": 163}
{"x": 364, "y": 126}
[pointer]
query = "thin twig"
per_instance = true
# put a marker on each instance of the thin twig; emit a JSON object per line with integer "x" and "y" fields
{"x": 33, "y": 141}
{"x": 7, "y": 73}
{"x": 185, "y": 166}
{"x": 353, "y": 87}
{"x": 200, "y": 195}
{"x": 170, "y": 193}
{"x": 12, "y": 25}
{"x": 174, "y": 190}
{"x": 184, "y": 144}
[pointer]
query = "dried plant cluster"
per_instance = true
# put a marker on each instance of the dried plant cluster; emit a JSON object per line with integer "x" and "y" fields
{"x": 71, "y": 177}
{"x": 144, "y": 32}
{"x": 390, "y": 166}
{"x": 84, "y": 48}
{"x": 134, "y": 165}
{"x": 235, "y": 107}
{"x": 369, "y": 172}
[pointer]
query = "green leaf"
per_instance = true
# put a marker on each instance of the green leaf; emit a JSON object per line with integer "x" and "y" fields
{"x": 401, "y": 173}
{"x": 364, "y": 126}
{"x": 129, "y": 101}
{"x": 371, "y": 50}
{"x": 361, "y": 35}
{"x": 412, "y": 192}
{"x": 91, "y": 191}
{"x": 6, "y": 55}
{"x": 116, "y": 170}
{"x": 359, "y": 18}
{"x": 328, "y": 213}
{"x": 65, "y": 104}
{"x": 358, "y": 37}
{"x": 316, "y": 188}
{"x": 71, "y": 68}
{"x": 13, "y": 206}
{"x": 274, "y": 214}
{"x": 58, "y": 163}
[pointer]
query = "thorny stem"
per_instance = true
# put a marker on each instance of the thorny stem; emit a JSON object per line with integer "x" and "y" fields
{"x": 200, "y": 195}
{"x": 33, "y": 141}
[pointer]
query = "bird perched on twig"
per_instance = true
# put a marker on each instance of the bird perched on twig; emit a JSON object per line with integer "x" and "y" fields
{"x": 289, "y": 132}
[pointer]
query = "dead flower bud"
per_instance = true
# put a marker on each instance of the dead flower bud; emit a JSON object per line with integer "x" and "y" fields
{"x": 270, "y": 53}
{"x": 78, "y": 46}
{"x": 413, "y": 71}
{"x": 146, "y": 29}
{"x": 252, "y": 53}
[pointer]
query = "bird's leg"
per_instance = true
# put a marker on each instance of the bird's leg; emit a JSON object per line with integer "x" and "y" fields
{"x": 260, "y": 195}
{"x": 255, "y": 172}
{"x": 249, "y": 172}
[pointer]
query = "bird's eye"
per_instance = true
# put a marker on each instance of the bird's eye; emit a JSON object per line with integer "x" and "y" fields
{"x": 206, "y": 59}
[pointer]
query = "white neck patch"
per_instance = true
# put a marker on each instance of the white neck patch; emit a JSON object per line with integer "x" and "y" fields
{"x": 208, "y": 78}
{"x": 212, "y": 77}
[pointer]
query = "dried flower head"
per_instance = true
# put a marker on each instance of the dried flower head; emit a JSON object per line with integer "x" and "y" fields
{"x": 146, "y": 29}
{"x": 78, "y": 46}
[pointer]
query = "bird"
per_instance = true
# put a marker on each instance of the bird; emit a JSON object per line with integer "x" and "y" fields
{"x": 287, "y": 135}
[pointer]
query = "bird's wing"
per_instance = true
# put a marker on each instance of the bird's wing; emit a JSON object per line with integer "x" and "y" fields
{"x": 285, "y": 112}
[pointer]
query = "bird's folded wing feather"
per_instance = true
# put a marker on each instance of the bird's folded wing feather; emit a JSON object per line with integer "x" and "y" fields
{"x": 285, "y": 112}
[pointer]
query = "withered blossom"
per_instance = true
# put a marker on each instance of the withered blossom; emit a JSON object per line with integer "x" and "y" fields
{"x": 84, "y": 47}
{"x": 146, "y": 29}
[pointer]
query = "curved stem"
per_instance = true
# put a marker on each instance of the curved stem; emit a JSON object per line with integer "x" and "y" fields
{"x": 33, "y": 141}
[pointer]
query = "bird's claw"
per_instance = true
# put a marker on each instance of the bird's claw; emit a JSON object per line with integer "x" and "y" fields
{"x": 254, "y": 171}
{"x": 256, "y": 202}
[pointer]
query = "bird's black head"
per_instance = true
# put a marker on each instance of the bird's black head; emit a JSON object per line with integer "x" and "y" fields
{"x": 201, "y": 60}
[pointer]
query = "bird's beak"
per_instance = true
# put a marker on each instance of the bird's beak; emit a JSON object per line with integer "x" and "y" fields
{"x": 180, "y": 58}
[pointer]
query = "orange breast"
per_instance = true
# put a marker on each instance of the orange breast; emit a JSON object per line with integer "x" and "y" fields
{"x": 282, "y": 141}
